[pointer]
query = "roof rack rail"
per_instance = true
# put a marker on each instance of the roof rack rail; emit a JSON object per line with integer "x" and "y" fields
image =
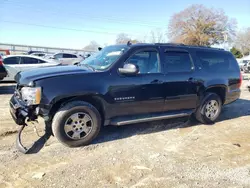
{"x": 177, "y": 44}
{"x": 207, "y": 47}
{"x": 181, "y": 44}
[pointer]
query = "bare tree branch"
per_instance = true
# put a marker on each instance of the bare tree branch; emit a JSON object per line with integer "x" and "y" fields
{"x": 242, "y": 41}
{"x": 198, "y": 25}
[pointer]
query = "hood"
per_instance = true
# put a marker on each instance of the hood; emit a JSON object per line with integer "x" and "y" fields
{"x": 25, "y": 77}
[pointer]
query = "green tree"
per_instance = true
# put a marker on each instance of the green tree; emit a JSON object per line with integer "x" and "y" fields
{"x": 237, "y": 53}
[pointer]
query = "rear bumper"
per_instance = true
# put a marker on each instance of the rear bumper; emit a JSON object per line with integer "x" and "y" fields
{"x": 232, "y": 96}
{"x": 20, "y": 112}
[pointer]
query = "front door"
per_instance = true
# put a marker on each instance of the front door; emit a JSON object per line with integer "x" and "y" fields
{"x": 141, "y": 93}
{"x": 181, "y": 85}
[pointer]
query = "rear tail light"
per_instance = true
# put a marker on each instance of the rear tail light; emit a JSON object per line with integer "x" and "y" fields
{"x": 1, "y": 60}
{"x": 241, "y": 78}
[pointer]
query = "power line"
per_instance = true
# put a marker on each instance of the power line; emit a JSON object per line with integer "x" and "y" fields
{"x": 89, "y": 17}
{"x": 64, "y": 28}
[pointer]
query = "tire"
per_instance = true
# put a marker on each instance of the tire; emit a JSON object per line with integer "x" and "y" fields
{"x": 66, "y": 114}
{"x": 202, "y": 112}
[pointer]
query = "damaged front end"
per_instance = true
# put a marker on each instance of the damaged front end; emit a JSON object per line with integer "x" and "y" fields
{"x": 24, "y": 109}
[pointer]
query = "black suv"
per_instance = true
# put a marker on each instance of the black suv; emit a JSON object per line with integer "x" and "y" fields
{"x": 125, "y": 84}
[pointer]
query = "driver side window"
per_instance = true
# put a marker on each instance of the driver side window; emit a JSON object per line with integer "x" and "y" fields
{"x": 147, "y": 61}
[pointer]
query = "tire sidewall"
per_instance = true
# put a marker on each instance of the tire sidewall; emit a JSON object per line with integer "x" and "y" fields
{"x": 58, "y": 126}
{"x": 208, "y": 98}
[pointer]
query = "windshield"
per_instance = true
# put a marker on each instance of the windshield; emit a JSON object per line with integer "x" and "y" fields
{"x": 104, "y": 58}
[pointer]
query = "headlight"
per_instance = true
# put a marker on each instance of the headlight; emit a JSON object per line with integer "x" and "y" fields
{"x": 31, "y": 95}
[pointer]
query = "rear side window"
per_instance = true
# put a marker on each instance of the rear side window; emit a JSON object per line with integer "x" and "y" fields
{"x": 217, "y": 61}
{"x": 29, "y": 60}
{"x": 177, "y": 61}
{"x": 69, "y": 56}
{"x": 11, "y": 61}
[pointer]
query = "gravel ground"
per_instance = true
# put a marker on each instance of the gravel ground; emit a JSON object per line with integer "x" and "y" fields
{"x": 156, "y": 154}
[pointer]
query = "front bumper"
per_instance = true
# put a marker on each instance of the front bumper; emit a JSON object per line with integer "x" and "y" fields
{"x": 20, "y": 112}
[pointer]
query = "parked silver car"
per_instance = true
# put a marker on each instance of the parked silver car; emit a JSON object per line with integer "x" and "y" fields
{"x": 66, "y": 58}
{"x": 16, "y": 63}
{"x": 246, "y": 66}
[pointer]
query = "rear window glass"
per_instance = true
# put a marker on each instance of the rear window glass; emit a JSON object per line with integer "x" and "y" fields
{"x": 177, "y": 61}
{"x": 217, "y": 61}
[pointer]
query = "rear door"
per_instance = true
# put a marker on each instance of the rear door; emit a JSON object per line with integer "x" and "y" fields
{"x": 180, "y": 80}
{"x": 27, "y": 63}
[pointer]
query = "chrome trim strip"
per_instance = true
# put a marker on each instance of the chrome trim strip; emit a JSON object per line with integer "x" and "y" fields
{"x": 151, "y": 119}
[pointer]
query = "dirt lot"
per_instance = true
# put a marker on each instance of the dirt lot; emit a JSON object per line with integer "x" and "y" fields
{"x": 156, "y": 154}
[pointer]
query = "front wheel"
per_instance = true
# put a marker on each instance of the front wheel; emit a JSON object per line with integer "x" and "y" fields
{"x": 209, "y": 109}
{"x": 76, "y": 124}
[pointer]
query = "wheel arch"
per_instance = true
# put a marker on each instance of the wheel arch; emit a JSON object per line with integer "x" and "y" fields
{"x": 94, "y": 100}
{"x": 219, "y": 89}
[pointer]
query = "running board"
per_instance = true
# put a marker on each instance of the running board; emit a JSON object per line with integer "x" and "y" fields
{"x": 146, "y": 118}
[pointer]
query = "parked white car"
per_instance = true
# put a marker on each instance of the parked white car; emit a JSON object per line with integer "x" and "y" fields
{"x": 16, "y": 63}
{"x": 67, "y": 58}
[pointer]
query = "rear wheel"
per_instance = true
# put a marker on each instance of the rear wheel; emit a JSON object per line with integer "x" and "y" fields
{"x": 209, "y": 109}
{"x": 76, "y": 124}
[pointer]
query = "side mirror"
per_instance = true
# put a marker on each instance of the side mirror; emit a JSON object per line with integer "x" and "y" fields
{"x": 129, "y": 69}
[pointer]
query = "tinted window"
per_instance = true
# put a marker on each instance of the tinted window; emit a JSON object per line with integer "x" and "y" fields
{"x": 69, "y": 56}
{"x": 29, "y": 60}
{"x": 11, "y": 60}
{"x": 147, "y": 61}
{"x": 217, "y": 61}
{"x": 177, "y": 61}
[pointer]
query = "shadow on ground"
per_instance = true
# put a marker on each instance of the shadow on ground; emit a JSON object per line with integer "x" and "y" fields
{"x": 7, "y": 88}
{"x": 237, "y": 109}
{"x": 39, "y": 144}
